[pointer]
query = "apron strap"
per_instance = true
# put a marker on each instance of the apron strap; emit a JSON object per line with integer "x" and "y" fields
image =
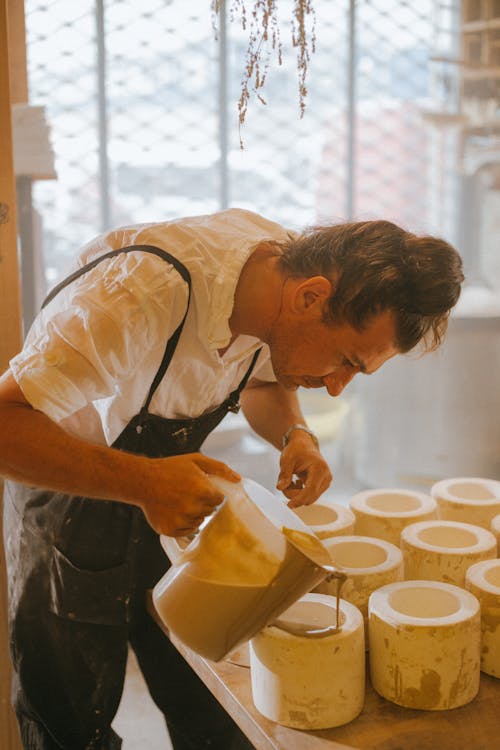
{"x": 233, "y": 400}
{"x": 172, "y": 342}
{"x": 182, "y": 270}
{"x": 249, "y": 371}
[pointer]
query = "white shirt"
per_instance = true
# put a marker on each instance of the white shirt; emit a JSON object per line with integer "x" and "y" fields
{"x": 91, "y": 354}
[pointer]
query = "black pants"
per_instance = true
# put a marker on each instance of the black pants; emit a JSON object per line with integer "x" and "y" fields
{"x": 77, "y": 598}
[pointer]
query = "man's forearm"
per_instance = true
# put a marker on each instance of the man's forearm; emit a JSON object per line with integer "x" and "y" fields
{"x": 271, "y": 410}
{"x": 175, "y": 493}
{"x": 35, "y": 450}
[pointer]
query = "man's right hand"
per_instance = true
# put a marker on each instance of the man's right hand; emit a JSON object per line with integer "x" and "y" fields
{"x": 174, "y": 493}
{"x": 178, "y": 494}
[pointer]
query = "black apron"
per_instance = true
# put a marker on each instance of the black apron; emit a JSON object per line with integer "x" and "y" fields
{"x": 79, "y": 570}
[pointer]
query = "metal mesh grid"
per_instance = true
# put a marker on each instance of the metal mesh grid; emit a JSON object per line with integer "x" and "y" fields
{"x": 161, "y": 109}
{"x": 62, "y": 75}
{"x": 142, "y": 102}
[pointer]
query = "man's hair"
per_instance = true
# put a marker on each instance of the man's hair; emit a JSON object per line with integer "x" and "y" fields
{"x": 376, "y": 266}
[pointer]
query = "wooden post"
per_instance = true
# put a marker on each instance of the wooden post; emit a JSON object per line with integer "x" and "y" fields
{"x": 10, "y": 339}
{"x": 17, "y": 52}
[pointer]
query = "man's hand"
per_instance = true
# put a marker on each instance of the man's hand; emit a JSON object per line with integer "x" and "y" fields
{"x": 174, "y": 493}
{"x": 304, "y": 473}
{"x": 178, "y": 494}
{"x": 270, "y": 409}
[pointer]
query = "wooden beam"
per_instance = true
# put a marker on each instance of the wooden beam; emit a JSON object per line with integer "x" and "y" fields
{"x": 17, "y": 52}
{"x": 10, "y": 307}
{"x": 10, "y": 339}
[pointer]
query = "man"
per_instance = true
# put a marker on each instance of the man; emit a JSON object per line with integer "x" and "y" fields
{"x": 131, "y": 363}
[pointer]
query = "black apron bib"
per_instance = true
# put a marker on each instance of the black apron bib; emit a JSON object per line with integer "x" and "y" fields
{"x": 79, "y": 570}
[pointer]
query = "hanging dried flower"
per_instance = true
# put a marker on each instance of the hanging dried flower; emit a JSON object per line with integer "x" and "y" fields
{"x": 262, "y": 24}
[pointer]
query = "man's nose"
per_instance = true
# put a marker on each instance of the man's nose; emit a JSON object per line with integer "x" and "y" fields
{"x": 336, "y": 381}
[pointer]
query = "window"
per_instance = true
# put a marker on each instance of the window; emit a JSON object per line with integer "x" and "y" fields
{"x": 142, "y": 99}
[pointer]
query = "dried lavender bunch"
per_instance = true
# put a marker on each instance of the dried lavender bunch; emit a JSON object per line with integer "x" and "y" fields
{"x": 262, "y": 23}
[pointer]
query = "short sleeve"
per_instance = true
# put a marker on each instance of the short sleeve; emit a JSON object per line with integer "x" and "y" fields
{"x": 98, "y": 331}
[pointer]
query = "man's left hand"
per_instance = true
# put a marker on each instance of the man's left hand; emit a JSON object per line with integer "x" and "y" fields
{"x": 304, "y": 473}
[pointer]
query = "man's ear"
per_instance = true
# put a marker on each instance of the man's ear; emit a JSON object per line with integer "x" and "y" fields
{"x": 311, "y": 294}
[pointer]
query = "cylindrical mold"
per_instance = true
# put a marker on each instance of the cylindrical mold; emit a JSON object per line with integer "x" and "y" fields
{"x": 425, "y": 640}
{"x": 385, "y": 513}
{"x": 467, "y": 499}
{"x": 495, "y": 529}
{"x": 327, "y": 519}
{"x": 368, "y": 563}
{"x": 305, "y": 674}
{"x": 483, "y": 580}
{"x": 443, "y": 550}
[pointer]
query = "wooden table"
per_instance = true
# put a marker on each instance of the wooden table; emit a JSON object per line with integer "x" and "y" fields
{"x": 381, "y": 725}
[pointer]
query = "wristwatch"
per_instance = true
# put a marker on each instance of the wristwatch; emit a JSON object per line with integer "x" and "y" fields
{"x": 286, "y": 436}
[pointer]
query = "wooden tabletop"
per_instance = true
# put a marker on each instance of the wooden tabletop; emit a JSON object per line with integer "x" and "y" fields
{"x": 380, "y": 726}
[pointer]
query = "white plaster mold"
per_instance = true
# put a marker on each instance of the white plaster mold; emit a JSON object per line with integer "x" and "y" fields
{"x": 368, "y": 563}
{"x": 468, "y": 499}
{"x": 483, "y": 580}
{"x": 443, "y": 550}
{"x": 384, "y": 513}
{"x": 327, "y": 519}
{"x": 309, "y": 681}
{"x": 495, "y": 529}
{"x": 425, "y": 639}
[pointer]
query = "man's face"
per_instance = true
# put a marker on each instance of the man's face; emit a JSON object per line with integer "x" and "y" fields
{"x": 314, "y": 354}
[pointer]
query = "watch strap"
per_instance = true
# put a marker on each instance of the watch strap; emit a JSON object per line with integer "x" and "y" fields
{"x": 286, "y": 436}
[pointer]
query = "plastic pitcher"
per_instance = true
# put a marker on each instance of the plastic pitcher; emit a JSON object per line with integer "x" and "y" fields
{"x": 250, "y": 561}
